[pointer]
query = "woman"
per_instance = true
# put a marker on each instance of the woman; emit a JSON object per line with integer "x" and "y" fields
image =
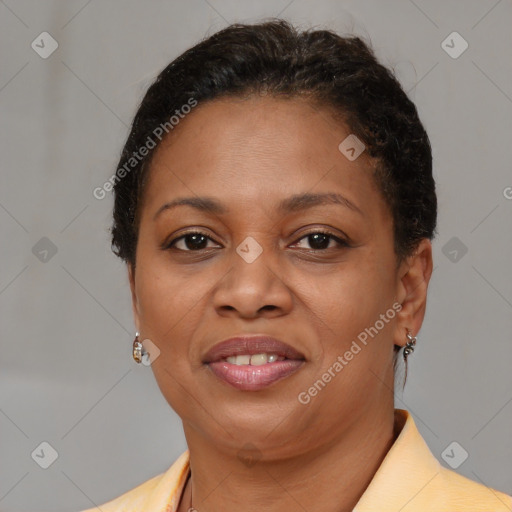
{"x": 275, "y": 206}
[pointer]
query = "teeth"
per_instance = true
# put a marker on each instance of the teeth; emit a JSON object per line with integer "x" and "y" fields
{"x": 254, "y": 360}
{"x": 259, "y": 359}
{"x": 239, "y": 360}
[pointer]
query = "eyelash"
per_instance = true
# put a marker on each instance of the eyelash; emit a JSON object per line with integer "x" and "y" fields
{"x": 342, "y": 243}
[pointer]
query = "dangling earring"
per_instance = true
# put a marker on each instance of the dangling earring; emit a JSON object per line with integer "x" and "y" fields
{"x": 409, "y": 347}
{"x": 137, "y": 349}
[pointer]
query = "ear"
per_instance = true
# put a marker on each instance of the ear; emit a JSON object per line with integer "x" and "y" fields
{"x": 135, "y": 302}
{"x": 412, "y": 283}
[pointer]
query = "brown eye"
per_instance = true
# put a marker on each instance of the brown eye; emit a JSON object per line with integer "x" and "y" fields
{"x": 194, "y": 241}
{"x": 320, "y": 240}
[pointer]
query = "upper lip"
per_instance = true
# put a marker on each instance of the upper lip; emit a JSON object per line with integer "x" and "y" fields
{"x": 250, "y": 345}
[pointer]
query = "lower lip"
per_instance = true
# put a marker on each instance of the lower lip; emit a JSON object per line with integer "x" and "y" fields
{"x": 253, "y": 378}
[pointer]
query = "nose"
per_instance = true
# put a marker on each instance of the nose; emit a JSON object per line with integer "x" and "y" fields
{"x": 252, "y": 290}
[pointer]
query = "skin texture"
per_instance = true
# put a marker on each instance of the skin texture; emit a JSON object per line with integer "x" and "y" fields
{"x": 249, "y": 154}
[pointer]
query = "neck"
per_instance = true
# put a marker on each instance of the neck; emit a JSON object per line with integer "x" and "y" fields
{"x": 330, "y": 478}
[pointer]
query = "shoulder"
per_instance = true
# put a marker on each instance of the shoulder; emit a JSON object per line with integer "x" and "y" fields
{"x": 412, "y": 479}
{"x": 132, "y": 500}
{"x": 157, "y": 492}
{"x": 460, "y": 491}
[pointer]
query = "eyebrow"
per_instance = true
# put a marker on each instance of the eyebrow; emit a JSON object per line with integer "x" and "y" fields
{"x": 292, "y": 204}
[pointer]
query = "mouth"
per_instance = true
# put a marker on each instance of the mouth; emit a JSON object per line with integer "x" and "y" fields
{"x": 251, "y": 363}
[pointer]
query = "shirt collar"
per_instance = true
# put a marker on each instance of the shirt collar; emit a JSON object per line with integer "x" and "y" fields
{"x": 408, "y": 467}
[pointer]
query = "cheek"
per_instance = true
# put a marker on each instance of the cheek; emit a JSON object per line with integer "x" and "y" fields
{"x": 350, "y": 292}
{"x": 167, "y": 293}
{"x": 171, "y": 310}
{"x": 161, "y": 306}
{"x": 345, "y": 303}
{"x": 173, "y": 302}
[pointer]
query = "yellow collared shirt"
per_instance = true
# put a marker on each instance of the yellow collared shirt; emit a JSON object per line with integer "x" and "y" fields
{"x": 410, "y": 479}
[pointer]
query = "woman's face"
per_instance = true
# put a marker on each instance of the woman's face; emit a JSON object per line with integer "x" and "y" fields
{"x": 265, "y": 176}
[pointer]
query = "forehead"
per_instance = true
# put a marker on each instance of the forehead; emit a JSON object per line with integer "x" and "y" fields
{"x": 232, "y": 126}
{"x": 257, "y": 148}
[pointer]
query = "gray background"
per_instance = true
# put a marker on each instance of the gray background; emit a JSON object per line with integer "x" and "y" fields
{"x": 66, "y": 373}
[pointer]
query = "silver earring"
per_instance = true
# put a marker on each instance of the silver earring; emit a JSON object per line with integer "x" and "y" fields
{"x": 137, "y": 349}
{"x": 409, "y": 347}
